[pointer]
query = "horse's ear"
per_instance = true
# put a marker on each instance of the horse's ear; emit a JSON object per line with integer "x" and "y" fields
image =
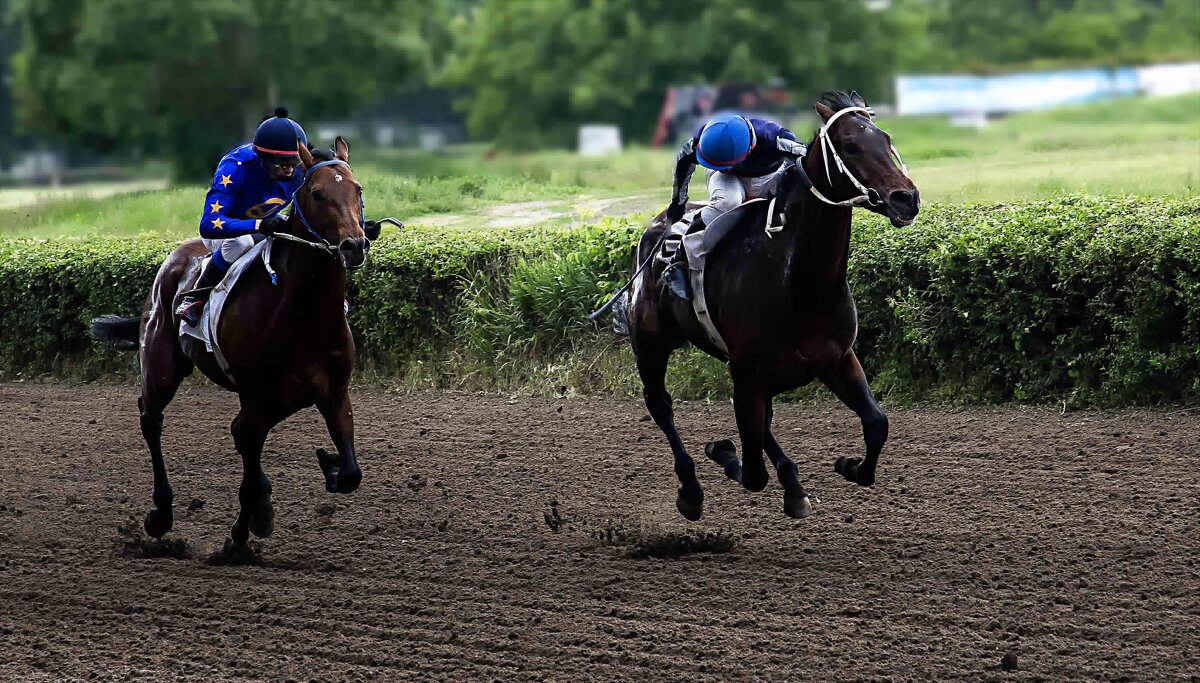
{"x": 857, "y": 99}
{"x": 306, "y": 157}
{"x": 824, "y": 112}
{"x": 341, "y": 149}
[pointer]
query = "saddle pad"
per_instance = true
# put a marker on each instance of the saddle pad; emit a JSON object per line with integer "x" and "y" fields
{"x": 210, "y": 317}
{"x": 698, "y": 246}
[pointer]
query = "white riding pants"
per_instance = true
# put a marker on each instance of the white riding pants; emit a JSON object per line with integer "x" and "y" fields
{"x": 231, "y": 248}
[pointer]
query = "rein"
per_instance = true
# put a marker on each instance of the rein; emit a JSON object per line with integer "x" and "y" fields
{"x": 868, "y": 196}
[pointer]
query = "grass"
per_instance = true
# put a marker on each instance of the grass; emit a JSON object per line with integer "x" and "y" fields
{"x": 1145, "y": 147}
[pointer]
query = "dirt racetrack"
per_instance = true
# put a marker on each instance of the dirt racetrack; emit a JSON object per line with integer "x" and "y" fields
{"x": 537, "y": 539}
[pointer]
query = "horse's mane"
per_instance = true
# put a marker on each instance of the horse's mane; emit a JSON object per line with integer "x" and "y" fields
{"x": 320, "y": 155}
{"x": 836, "y": 100}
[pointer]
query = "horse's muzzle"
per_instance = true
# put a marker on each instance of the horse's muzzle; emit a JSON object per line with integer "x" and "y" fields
{"x": 353, "y": 252}
{"x": 902, "y": 206}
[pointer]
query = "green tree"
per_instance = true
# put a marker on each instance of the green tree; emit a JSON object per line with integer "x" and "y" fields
{"x": 186, "y": 79}
{"x": 533, "y": 71}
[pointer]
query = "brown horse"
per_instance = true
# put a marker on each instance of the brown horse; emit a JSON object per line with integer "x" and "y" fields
{"x": 288, "y": 345}
{"x": 782, "y": 305}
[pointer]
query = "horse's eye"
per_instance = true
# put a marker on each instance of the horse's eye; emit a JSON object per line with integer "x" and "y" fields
{"x": 318, "y": 196}
{"x": 851, "y": 148}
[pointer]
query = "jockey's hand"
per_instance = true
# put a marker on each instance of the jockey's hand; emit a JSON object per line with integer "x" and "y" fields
{"x": 272, "y": 224}
{"x": 675, "y": 213}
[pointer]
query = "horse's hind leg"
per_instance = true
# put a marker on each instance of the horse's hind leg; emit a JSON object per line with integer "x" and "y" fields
{"x": 849, "y": 383}
{"x": 795, "y": 499}
{"x": 255, "y": 515}
{"x": 652, "y": 366}
{"x": 163, "y": 368}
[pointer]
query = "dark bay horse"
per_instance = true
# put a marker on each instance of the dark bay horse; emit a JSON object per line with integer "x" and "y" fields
{"x": 288, "y": 345}
{"x": 782, "y": 305}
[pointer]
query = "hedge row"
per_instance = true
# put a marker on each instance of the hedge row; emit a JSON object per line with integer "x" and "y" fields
{"x": 1093, "y": 301}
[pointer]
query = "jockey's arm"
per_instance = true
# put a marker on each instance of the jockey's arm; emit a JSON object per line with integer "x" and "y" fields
{"x": 685, "y": 164}
{"x": 791, "y": 146}
{"x": 215, "y": 221}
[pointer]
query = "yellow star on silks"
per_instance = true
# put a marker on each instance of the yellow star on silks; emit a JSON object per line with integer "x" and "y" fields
{"x": 218, "y": 223}
{"x": 216, "y": 206}
{"x": 225, "y": 180}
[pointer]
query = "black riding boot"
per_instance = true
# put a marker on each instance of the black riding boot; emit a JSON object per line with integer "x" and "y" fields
{"x": 193, "y": 302}
{"x": 675, "y": 276}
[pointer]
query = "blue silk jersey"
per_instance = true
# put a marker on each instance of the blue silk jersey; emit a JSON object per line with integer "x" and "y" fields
{"x": 242, "y": 192}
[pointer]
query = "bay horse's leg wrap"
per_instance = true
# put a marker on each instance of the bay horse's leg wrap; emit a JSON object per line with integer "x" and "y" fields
{"x": 849, "y": 383}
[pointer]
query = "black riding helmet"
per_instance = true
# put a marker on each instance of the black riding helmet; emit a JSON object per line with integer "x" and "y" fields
{"x": 275, "y": 143}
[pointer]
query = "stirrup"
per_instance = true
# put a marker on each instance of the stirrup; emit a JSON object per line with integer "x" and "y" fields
{"x": 190, "y": 310}
{"x": 675, "y": 279}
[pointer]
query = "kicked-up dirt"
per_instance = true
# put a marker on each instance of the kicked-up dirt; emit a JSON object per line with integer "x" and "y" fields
{"x": 499, "y": 538}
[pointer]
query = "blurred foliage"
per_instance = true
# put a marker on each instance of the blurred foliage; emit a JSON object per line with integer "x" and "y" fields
{"x": 984, "y": 35}
{"x": 534, "y": 71}
{"x": 181, "y": 79}
{"x": 185, "y": 79}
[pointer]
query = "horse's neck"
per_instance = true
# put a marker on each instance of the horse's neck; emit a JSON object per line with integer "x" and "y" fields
{"x": 311, "y": 278}
{"x": 820, "y": 242}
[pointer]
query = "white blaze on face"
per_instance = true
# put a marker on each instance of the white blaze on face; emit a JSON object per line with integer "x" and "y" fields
{"x": 337, "y": 177}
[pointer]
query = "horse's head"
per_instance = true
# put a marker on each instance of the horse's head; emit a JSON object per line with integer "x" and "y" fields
{"x": 329, "y": 202}
{"x": 856, "y": 160}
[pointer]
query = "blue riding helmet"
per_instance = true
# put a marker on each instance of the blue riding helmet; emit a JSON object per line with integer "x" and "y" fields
{"x": 277, "y": 136}
{"x": 725, "y": 142}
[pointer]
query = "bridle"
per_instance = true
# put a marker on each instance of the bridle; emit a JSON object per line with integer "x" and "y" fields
{"x": 322, "y": 243}
{"x": 869, "y": 196}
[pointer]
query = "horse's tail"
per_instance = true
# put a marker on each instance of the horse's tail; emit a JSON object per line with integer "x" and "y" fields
{"x": 120, "y": 333}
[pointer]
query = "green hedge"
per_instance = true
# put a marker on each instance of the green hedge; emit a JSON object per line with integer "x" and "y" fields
{"x": 1091, "y": 301}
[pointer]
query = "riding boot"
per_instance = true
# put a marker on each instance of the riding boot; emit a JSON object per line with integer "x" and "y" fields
{"x": 192, "y": 305}
{"x": 675, "y": 275}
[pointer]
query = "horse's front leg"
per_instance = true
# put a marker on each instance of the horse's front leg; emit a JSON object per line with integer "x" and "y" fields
{"x": 750, "y": 406}
{"x": 847, "y": 381}
{"x": 342, "y": 474}
{"x": 652, "y": 367}
{"x": 256, "y": 514}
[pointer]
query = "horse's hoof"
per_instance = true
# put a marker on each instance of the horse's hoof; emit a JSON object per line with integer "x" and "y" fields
{"x": 851, "y": 469}
{"x": 691, "y": 510}
{"x": 327, "y": 461}
{"x": 262, "y": 522}
{"x": 240, "y": 533}
{"x": 796, "y": 503}
{"x": 865, "y": 477}
{"x": 724, "y": 453}
{"x": 347, "y": 482}
{"x": 754, "y": 479}
{"x": 158, "y": 523}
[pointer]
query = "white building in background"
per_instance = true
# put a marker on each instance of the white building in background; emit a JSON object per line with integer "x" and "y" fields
{"x": 972, "y": 97}
{"x": 597, "y": 139}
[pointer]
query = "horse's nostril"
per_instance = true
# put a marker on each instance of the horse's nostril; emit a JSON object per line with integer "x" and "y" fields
{"x": 902, "y": 197}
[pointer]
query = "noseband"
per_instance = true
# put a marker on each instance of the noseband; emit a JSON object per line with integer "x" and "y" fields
{"x": 869, "y": 196}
